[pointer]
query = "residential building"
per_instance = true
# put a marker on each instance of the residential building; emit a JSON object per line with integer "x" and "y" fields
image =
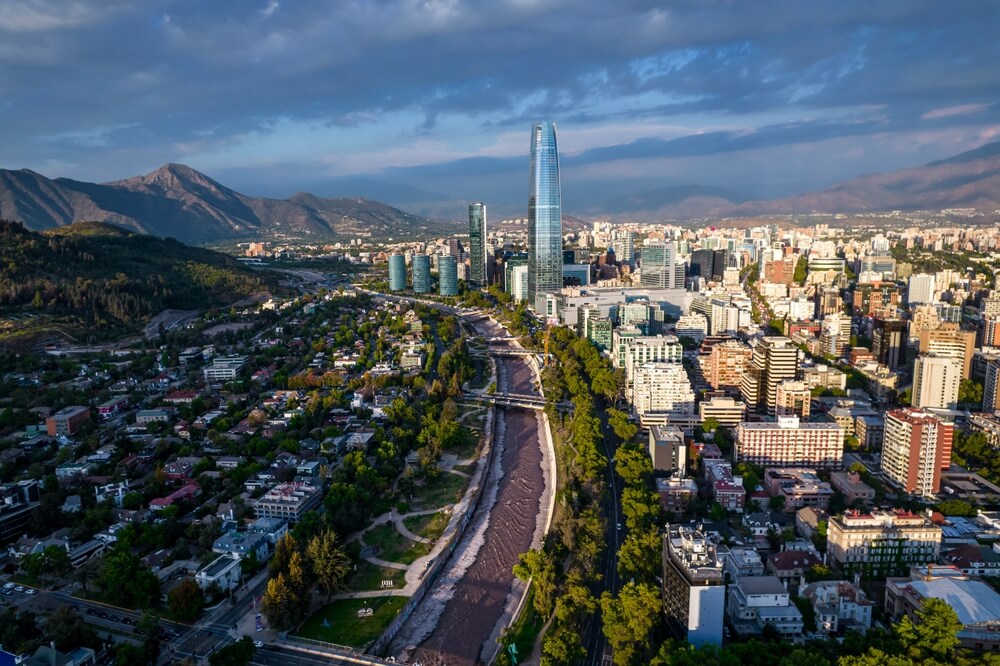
{"x": 693, "y": 325}
{"x": 477, "y": 245}
{"x": 790, "y": 567}
{"x": 793, "y": 399}
{"x": 824, "y": 377}
{"x": 694, "y": 594}
{"x": 869, "y": 429}
{"x": 112, "y": 406}
{"x": 921, "y": 288}
{"x": 397, "y": 272}
{"x": 791, "y": 443}
{"x": 725, "y": 488}
{"x": 774, "y": 360}
{"x": 991, "y": 387}
{"x": 67, "y": 421}
{"x": 448, "y": 275}
{"x": 727, "y": 411}
{"x": 936, "y": 381}
{"x": 987, "y": 424}
{"x": 289, "y": 501}
{"x": 839, "y": 606}
{"x": 756, "y": 601}
{"x": 799, "y": 486}
{"x": 239, "y": 545}
{"x": 545, "y": 259}
{"x": 916, "y": 447}
{"x": 875, "y": 297}
{"x": 889, "y": 342}
{"x": 727, "y": 363}
{"x": 667, "y": 449}
{"x": 224, "y": 368}
{"x": 676, "y": 494}
{"x": 661, "y": 392}
{"x": 224, "y": 572}
{"x": 650, "y": 349}
{"x": 421, "y": 267}
{"x": 18, "y": 502}
{"x": 854, "y": 490}
{"x": 739, "y": 561}
{"x": 976, "y": 604}
{"x": 835, "y": 335}
{"x": 950, "y": 341}
{"x": 147, "y": 416}
{"x": 881, "y": 543}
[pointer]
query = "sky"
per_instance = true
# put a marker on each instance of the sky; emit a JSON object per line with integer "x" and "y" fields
{"x": 271, "y": 97}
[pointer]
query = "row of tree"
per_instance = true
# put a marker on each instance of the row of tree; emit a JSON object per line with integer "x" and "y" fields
{"x": 296, "y": 570}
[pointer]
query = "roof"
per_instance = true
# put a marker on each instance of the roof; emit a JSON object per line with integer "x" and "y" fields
{"x": 972, "y": 600}
{"x": 792, "y": 559}
{"x": 761, "y": 585}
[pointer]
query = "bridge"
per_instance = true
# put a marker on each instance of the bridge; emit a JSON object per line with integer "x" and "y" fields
{"x": 516, "y": 400}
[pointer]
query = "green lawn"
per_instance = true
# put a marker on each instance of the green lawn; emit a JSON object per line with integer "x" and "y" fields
{"x": 369, "y": 577}
{"x": 393, "y": 546}
{"x": 345, "y": 627}
{"x": 430, "y": 526}
{"x": 441, "y": 491}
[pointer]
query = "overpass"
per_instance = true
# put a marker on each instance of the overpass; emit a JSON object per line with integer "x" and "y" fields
{"x": 516, "y": 400}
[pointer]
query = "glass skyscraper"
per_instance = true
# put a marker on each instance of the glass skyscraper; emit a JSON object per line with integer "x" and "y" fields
{"x": 421, "y": 273}
{"x": 544, "y": 215}
{"x": 477, "y": 245}
{"x": 397, "y": 272}
{"x": 448, "y": 276}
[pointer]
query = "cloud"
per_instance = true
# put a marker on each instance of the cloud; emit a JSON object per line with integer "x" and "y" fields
{"x": 960, "y": 110}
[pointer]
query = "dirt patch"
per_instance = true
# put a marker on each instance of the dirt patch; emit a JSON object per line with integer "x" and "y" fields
{"x": 478, "y": 599}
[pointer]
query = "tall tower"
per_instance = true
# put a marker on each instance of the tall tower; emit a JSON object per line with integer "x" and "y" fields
{"x": 477, "y": 245}
{"x": 397, "y": 272}
{"x": 544, "y": 215}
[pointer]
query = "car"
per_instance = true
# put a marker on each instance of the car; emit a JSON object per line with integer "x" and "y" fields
{"x": 619, "y": 527}
{"x": 104, "y": 615}
{"x": 19, "y": 588}
{"x": 114, "y": 618}
{"x": 74, "y": 607}
{"x": 128, "y": 621}
{"x": 31, "y": 591}
{"x": 91, "y": 611}
{"x": 258, "y": 644}
{"x": 8, "y": 592}
{"x": 8, "y": 586}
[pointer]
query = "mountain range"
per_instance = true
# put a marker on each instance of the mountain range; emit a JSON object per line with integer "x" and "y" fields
{"x": 177, "y": 201}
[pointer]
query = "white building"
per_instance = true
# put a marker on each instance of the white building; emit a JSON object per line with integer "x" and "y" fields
{"x": 755, "y": 601}
{"x": 694, "y": 594}
{"x": 223, "y": 571}
{"x": 839, "y": 603}
{"x": 224, "y": 368}
{"x": 921, "y": 288}
{"x": 936, "y": 381}
{"x": 791, "y": 443}
{"x": 693, "y": 325}
{"x": 661, "y": 390}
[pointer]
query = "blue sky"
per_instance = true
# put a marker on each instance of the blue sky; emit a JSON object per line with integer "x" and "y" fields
{"x": 277, "y": 96}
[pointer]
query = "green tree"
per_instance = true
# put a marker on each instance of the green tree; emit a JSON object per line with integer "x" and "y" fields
{"x": 629, "y": 619}
{"x": 970, "y": 392}
{"x": 801, "y": 270}
{"x": 278, "y": 603}
{"x": 328, "y": 561}
{"x": 934, "y": 636}
{"x": 186, "y": 601}
{"x": 283, "y": 554}
{"x": 640, "y": 555}
{"x": 541, "y": 570}
{"x": 633, "y": 465}
{"x": 239, "y": 653}
{"x": 126, "y": 581}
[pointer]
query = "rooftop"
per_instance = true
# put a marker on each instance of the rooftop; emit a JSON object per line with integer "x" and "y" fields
{"x": 761, "y": 585}
{"x": 972, "y": 600}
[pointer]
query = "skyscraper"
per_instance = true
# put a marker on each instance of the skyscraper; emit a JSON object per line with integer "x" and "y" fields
{"x": 421, "y": 267}
{"x": 397, "y": 272}
{"x": 477, "y": 245}
{"x": 936, "y": 380}
{"x": 544, "y": 215}
{"x": 774, "y": 360}
{"x": 889, "y": 342}
{"x": 916, "y": 447}
{"x": 448, "y": 275}
{"x": 661, "y": 266}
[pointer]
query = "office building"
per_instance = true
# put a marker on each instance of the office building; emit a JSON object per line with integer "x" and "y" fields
{"x": 727, "y": 363}
{"x": 701, "y": 264}
{"x": 421, "y": 266}
{"x": 599, "y": 331}
{"x": 947, "y": 339}
{"x": 289, "y": 501}
{"x": 518, "y": 282}
{"x": 67, "y": 421}
{"x": 624, "y": 246}
{"x": 921, "y": 288}
{"x": 936, "y": 381}
{"x": 448, "y": 276}
{"x": 830, "y": 301}
{"x": 477, "y": 246}
{"x": 791, "y": 443}
{"x": 727, "y": 411}
{"x": 661, "y": 267}
{"x": 916, "y": 447}
{"x": 694, "y": 594}
{"x": 793, "y": 399}
{"x": 774, "y": 360}
{"x": 544, "y": 215}
{"x": 889, "y": 342}
{"x": 881, "y": 543}
{"x": 228, "y": 368}
{"x": 397, "y": 272}
{"x": 667, "y": 449}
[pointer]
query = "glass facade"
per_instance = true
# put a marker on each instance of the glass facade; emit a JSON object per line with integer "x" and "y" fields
{"x": 421, "y": 273}
{"x": 544, "y": 214}
{"x": 448, "y": 276}
{"x": 397, "y": 272}
{"x": 477, "y": 245}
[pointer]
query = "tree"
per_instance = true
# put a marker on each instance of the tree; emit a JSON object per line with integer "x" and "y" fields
{"x": 186, "y": 601}
{"x": 641, "y": 507}
{"x": 970, "y": 392}
{"x": 283, "y": 554}
{"x": 278, "y": 603}
{"x": 801, "y": 270}
{"x": 633, "y": 465}
{"x": 629, "y": 620}
{"x": 239, "y": 653}
{"x": 69, "y": 630}
{"x": 956, "y": 508}
{"x": 328, "y": 561}
{"x": 934, "y": 636}
{"x": 540, "y": 568}
{"x": 640, "y": 555}
{"x": 299, "y": 580}
{"x": 126, "y": 581}
{"x": 711, "y": 424}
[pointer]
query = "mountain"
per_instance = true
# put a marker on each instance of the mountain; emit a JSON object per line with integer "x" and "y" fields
{"x": 677, "y": 201}
{"x": 96, "y": 276}
{"x": 179, "y": 202}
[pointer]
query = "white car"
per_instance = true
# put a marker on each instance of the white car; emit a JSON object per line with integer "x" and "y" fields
{"x": 31, "y": 591}
{"x": 258, "y": 644}
{"x": 19, "y": 588}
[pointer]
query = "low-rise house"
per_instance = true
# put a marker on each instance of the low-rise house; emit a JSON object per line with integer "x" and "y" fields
{"x": 756, "y": 601}
{"x": 725, "y": 488}
{"x": 840, "y": 606}
{"x": 676, "y": 494}
{"x": 186, "y": 493}
{"x": 272, "y": 528}
{"x": 790, "y": 566}
{"x": 975, "y": 560}
{"x": 147, "y": 416}
{"x": 852, "y": 488}
{"x": 223, "y": 571}
{"x": 800, "y": 487}
{"x": 73, "y": 504}
{"x": 808, "y": 521}
{"x": 740, "y": 561}
{"x": 239, "y": 545}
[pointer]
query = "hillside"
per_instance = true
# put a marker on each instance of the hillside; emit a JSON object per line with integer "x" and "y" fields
{"x": 98, "y": 275}
{"x": 176, "y": 201}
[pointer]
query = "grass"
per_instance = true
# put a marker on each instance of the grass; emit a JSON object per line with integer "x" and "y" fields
{"x": 525, "y": 631}
{"x": 367, "y": 576}
{"x": 393, "y": 546}
{"x": 430, "y": 526}
{"x": 441, "y": 491}
{"x": 345, "y": 627}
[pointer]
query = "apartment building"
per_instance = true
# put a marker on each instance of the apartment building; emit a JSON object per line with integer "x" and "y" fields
{"x": 694, "y": 594}
{"x": 791, "y": 443}
{"x": 916, "y": 447}
{"x": 881, "y": 543}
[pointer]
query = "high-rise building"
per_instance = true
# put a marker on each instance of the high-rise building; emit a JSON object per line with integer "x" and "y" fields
{"x": 624, "y": 246}
{"x": 448, "y": 275}
{"x": 991, "y": 387}
{"x": 661, "y": 266}
{"x": 889, "y": 342}
{"x": 835, "y": 335}
{"x": 660, "y": 392}
{"x": 583, "y": 314}
{"x": 921, "y": 288}
{"x": 775, "y": 359}
{"x": 519, "y": 282}
{"x": 701, "y": 264}
{"x": 950, "y": 340}
{"x": 936, "y": 381}
{"x": 397, "y": 272}
{"x": 720, "y": 260}
{"x": 421, "y": 266}
{"x": 830, "y": 301}
{"x": 599, "y": 332}
{"x": 510, "y": 263}
{"x": 694, "y": 592}
{"x": 793, "y": 399}
{"x": 544, "y": 215}
{"x": 727, "y": 363}
{"x": 791, "y": 443}
{"x": 667, "y": 449}
{"x": 477, "y": 245}
{"x": 916, "y": 447}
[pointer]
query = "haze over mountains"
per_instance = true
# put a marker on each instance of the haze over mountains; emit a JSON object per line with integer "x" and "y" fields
{"x": 179, "y": 202}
